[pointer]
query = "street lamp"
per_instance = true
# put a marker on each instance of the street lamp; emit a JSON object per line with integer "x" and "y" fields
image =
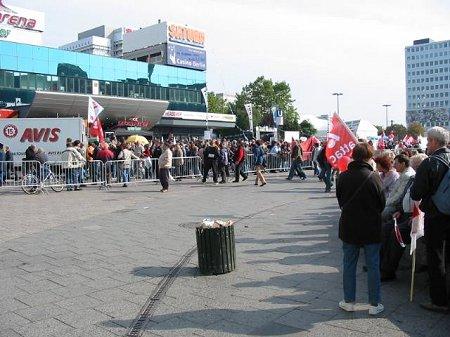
{"x": 387, "y": 106}
{"x": 337, "y": 94}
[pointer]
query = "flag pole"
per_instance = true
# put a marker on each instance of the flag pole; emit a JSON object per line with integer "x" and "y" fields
{"x": 411, "y": 291}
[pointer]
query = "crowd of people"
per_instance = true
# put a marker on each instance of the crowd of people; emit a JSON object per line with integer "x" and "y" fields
{"x": 376, "y": 196}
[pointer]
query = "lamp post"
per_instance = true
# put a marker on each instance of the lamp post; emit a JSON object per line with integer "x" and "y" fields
{"x": 386, "y": 107}
{"x": 337, "y": 94}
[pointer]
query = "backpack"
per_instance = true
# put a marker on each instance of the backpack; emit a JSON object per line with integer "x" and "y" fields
{"x": 441, "y": 198}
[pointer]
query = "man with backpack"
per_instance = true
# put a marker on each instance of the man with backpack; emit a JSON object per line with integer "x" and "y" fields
{"x": 432, "y": 186}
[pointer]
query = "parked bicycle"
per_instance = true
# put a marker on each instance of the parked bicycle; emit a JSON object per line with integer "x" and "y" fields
{"x": 33, "y": 183}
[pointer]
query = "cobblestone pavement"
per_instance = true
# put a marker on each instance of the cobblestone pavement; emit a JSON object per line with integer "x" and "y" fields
{"x": 85, "y": 263}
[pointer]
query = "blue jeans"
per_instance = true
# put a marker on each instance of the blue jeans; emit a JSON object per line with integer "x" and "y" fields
{"x": 126, "y": 175}
{"x": 372, "y": 255}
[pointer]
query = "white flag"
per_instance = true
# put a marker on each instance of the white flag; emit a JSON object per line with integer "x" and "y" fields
{"x": 416, "y": 226}
{"x": 249, "y": 109}
{"x": 205, "y": 97}
{"x": 94, "y": 110}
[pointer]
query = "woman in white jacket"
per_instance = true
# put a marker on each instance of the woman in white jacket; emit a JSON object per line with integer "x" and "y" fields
{"x": 165, "y": 164}
{"x": 126, "y": 155}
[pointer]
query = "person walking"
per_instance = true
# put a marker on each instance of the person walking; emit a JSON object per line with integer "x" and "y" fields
{"x": 223, "y": 162}
{"x": 361, "y": 198}
{"x": 431, "y": 173}
{"x": 260, "y": 160}
{"x": 325, "y": 168}
{"x": 164, "y": 165}
{"x": 296, "y": 164}
{"x": 239, "y": 159}
{"x": 211, "y": 158}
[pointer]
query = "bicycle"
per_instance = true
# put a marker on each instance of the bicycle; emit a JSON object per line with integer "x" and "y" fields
{"x": 31, "y": 184}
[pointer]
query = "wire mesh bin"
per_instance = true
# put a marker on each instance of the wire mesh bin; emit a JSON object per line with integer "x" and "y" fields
{"x": 216, "y": 249}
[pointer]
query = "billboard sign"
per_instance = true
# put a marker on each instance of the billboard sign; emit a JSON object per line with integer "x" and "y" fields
{"x": 20, "y": 24}
{"x": 185, "y": 35}
{"x": 187, "y": 57}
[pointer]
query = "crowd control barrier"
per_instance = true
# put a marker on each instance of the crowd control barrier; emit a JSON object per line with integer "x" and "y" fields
{"x": 277, "y": 162}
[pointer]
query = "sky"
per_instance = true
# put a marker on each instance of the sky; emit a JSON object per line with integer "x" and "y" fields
{"x": 318, "y": 47}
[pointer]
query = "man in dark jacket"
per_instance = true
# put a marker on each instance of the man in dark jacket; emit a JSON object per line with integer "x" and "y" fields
{"x": 325, "y": 168}
{"x": 211, "y": 159}
{"x": 437, "y": 225}
{"x": 361, "y": 199}
{"x": 296, "y": 162}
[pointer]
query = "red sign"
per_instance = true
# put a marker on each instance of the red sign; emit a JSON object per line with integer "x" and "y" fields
{"x": 340, "y": 144}
{"x": 10, "y": 131}
{"x": 35, "y": 135}
{"x": 133, "y": 122}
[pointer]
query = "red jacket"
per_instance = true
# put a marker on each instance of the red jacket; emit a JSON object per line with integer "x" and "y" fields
{"x": 239, "y": 155}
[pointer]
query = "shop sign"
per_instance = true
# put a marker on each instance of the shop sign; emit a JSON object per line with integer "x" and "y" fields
{"x": 133, "y": 123}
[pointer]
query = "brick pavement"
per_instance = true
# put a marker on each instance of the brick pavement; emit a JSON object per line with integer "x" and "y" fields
{"x": 84, "y": 263}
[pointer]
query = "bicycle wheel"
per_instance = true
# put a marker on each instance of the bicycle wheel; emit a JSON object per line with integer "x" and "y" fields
{"x": 30, "y": 184}
{"x": 57, "y": 185}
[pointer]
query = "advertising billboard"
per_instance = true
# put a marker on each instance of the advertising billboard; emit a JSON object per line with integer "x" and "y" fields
{"x": 185, "y": 35}
{"x": 187, "y": 57}
{"x": 20, "y": 24}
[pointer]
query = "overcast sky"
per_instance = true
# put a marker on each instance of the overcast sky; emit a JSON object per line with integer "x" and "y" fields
{"x": 319, "y": 47}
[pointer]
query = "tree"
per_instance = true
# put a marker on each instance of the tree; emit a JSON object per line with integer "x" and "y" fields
{"x": 380, "y": 129}
{"x": 416, "y": 129}
{"x": 307, "y": 128}
{"x": 399, "y": 130}
{"x": 216, "y": 104}
{"x": 263, "y": 94}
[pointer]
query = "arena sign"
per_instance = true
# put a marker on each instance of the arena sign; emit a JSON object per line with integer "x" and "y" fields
{"x": 20, "y": 18}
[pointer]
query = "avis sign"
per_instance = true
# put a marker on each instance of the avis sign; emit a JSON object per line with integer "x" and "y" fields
{"x": 340, "y": 144}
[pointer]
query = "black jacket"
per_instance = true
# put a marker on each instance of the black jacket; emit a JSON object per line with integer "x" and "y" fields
{"x": 428, "y": 177}
{"x": 360, "y": 221}
{"x": 211, "y": 153}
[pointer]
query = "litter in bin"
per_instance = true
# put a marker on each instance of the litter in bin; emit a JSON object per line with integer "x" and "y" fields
{"x": 209, "y": 223}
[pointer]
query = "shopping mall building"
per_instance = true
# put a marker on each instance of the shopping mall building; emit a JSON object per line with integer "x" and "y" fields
{"x": 138, "y": 96}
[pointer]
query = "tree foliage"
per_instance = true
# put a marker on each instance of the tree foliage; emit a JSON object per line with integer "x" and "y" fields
{"x": 399, "y": 130}
{"x": 263, "y": 94}
{"x": 216, "y": 104}
{"x": 307, "y": 129}
{"x": 416, "y": 129}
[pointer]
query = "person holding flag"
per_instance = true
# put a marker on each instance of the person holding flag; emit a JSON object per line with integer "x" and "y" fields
{"x": 361, "y": 198}
{"x": 431, "y": 187}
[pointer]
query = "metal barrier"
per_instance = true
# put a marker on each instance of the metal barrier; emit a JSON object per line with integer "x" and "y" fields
{"x": 15, "y": 176}
{"x": 185, "y": 167}
{"x": 277, "y": 162}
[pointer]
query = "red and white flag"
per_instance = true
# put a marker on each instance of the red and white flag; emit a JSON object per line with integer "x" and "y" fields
{"x": 416, "y": 226}
{"x": 95, "y": 126}
{"x": 94, "y": 110}
{"x": 340, "y": 144}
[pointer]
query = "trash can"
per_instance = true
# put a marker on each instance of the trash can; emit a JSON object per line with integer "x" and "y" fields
{"x": 216, "y": 248}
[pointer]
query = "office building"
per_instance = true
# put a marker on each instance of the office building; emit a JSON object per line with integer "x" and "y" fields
{"x": 427, "y": 65}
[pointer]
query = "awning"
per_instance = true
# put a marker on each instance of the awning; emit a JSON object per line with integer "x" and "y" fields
{"x": 56, "y": 104}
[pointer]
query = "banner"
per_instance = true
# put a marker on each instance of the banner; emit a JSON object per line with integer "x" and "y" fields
{"x": 249, "y": 109}
{"x": 340, "y": 144}
{"x": 94, "y": 110}
{"x": 277, "y": 115}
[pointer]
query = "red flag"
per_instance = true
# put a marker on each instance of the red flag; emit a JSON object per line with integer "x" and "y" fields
{"x": 96, "y": 130}
{"x": 340, "y": 144}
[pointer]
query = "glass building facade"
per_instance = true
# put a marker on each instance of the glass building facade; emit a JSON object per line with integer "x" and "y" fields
{"x": 33, "y": 68}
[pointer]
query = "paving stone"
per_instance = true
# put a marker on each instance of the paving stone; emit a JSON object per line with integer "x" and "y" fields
{"x": 40, "y": 313}
{"x": 83, "y": 318}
